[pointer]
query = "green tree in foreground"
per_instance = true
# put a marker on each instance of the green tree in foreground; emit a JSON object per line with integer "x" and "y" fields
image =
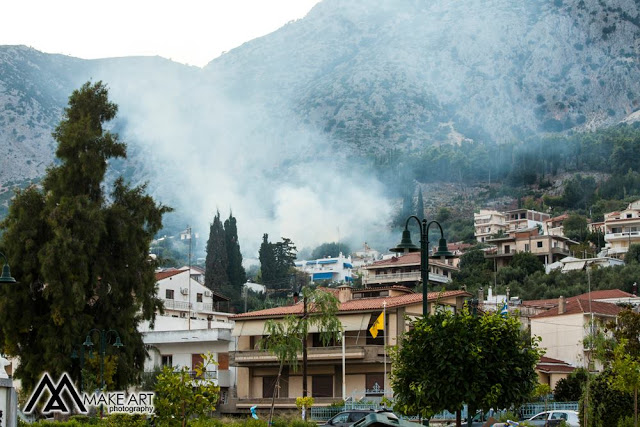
{"x": 80, "y": 256}
{"x": 284, "y": 337}
{"x": 570, "y": 389}
{"x": 492, "y": 365}
{"x": 180, "y": 397}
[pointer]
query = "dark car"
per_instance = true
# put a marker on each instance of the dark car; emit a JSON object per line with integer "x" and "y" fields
{"x": 346, "y": 418}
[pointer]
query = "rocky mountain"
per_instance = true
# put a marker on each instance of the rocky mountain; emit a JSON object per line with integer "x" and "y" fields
{"x": 352, "y": 79}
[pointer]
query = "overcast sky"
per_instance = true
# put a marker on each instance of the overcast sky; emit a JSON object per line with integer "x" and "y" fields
{"x": 188, "y": 31}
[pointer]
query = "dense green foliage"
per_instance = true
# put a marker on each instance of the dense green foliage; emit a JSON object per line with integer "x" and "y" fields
{"x": 492, "y": 365}
{"x": 332, "y": 250}
{"x": 605, "y": 404}
{"x": 570, "y": 389}
{"x": 276, "y": 262}
{"x": 179, "y": 397}
{"x": 80, "y": 255}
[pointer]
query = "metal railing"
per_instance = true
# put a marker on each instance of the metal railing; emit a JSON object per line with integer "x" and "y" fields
{"x": 399, "y": 277}
{"x": 176, "y": 305}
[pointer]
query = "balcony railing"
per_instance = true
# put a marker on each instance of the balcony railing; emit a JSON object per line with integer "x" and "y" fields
{"x": 207, "y": 375}
{"x": 313, "y": 353}
{"x": 625, "y": 235}
{"x": 404, "y": 277}
{"x": 176, "y": 305}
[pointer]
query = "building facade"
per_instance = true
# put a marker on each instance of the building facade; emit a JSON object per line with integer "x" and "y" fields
{"x": 338, "y": 269}
{"x": 622, "y": 229}
{"x": 191, "y": 326}
{"x": 548, "y": 248}
{"x": 363, "y": 376}
{"x": 405, "y": 270}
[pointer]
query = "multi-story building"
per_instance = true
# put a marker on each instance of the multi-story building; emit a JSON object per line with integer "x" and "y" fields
{"x": 555, "y": 226}
{"x": 548, "y": 248}
{"x": 193, "y": 324}
{"x": 563, "y": 329}
{"x": 487, "y": 223}
{"x": 622, "y": 229}
{"x": 405, "y": 270}
{"x": 338, "y": 269}
{"x": 363, "y": 376}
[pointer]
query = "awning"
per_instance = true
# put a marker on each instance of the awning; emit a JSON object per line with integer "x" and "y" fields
{"x": 311, "y": 263}
{"x": 347, "y": 265}
{"x": 327, "y": 261}
{"x": 348, "y": 278}
{"x": 572, "y": 266}
{"x": 322, "y": 276}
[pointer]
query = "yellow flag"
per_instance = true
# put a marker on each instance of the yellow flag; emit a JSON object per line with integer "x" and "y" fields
{"x": 377, "y": 326}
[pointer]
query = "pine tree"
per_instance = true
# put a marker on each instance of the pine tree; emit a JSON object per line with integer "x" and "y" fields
{"x": 235, "y": 270}
{"x": 81, "y": 258}
{"x": 216, "y": 263}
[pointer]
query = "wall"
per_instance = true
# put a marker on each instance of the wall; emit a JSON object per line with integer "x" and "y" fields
{"x": 561, "y": 337}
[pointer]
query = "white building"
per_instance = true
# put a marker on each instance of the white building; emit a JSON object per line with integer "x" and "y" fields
{"x": 621, "y": 230}
{"x": 337, "y": 269}
{"x": 193, "y": 324}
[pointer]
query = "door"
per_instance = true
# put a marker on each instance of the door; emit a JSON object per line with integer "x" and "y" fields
{"x": 322, "y": 386}
{"x": 196, "y": 361}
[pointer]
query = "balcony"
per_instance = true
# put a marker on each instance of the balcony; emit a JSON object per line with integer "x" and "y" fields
{"x": 413, "y": 276}
{"x": 499, "y": 253}
{"x": 628, "y": 235}
{"x": 315, "y": 355}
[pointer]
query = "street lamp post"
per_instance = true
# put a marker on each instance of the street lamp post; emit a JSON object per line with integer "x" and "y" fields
{"x": 80, "y": 355}
{"x": 104, "y": 337}
{"x": 406, "y": 246}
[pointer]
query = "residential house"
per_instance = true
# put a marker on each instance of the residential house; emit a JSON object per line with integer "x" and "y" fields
{"x": 364, "y": 356}
{"x": 548, "y": 248}
{"x": 564, "y": 327}
{"x": 622, "y": 229}
{"x": 487, "y": 223}
{"x": 554, "y": 226}
{"x": 336, "y": 269}
{"x": 193, "y": 324}
{"x": 550, "y": 371}
{"x": 405, "y": 270}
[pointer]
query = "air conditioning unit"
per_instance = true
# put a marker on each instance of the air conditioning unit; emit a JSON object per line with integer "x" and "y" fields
{"x": 184, "y": 291}
{"x": 207, "y": 293}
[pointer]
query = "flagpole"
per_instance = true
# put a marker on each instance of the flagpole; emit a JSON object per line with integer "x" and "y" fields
{"x": 385, "y": 329}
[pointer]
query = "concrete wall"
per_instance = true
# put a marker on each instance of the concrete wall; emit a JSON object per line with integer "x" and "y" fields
{"x": 562, "y": 337}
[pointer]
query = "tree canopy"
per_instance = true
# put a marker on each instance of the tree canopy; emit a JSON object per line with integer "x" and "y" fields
{"x": 492, "y": 364}
{"x": 81, "y": 257}
{"x": 276, "y": 262}
{"x": 332, "y": 250}
{"x": 216, "y": 275}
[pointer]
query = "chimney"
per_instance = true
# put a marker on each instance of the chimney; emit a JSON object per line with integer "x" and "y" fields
{"x": 561, "y": 305}
{"x": 480, "y": 295}
{"x": 344, "y": 293}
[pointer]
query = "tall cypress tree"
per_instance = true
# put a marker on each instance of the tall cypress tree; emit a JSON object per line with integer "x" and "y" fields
{"x": 420, "y": 204}
{"x": 268, "y": 268}
{"x": 235, "y": 270}
{"x": 216, "y": 263}
{"x": 81, "y": 258}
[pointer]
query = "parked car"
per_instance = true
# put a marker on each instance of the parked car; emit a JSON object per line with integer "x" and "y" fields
{"x": 346, "y": 418}
{"x": 554, "y": 418}
{"x": 480, "y": 418}
{"x": 383, "y": 418}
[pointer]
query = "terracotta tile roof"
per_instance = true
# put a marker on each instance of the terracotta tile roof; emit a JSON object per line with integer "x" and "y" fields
{"x": 575, "y": 306}
{"x": 556, "y": 369}
{"x": 160, "y": 275}
{"x": 360, "y": 304}
{"x": 549, "y": 360}
{"x": 595, "y": 295}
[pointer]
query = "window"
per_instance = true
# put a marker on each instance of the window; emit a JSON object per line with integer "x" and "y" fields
{"x": 375, "y": 384}
{"x": 199, "y": 297}
{"x": 629, "y": 216}
{"x": 539, "y": 244}
{"x": 223, "y": 361}
{"x": 507, "y": 249}
{"x": 268, "y": 386}
{"x": 169, "y": 294}
{"x": 526, "y": 247}
{"x": 322, "y": 386}
{"x": 167, "y": 360}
